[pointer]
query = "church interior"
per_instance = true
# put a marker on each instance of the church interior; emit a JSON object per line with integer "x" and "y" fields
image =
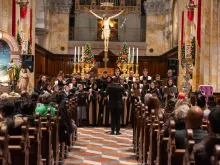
{"x": 106, "y": 82}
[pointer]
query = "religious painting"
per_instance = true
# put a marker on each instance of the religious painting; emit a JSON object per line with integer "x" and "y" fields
{"x": 4, "y": 62}
{"x": 113, "y": 28}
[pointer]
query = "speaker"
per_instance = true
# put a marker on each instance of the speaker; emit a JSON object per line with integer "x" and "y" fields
{"x": 173, "y": 64}
{"x": 28, "y": 62}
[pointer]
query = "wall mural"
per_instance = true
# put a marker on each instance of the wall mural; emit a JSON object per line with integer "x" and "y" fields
{"x": 4, "y": 62}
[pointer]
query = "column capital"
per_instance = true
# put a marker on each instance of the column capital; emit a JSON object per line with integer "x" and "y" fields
{"x": 155, "y": 7}
{"x": 60, "y": 6}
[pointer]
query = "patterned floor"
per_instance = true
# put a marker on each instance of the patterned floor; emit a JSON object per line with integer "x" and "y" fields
{"x": 96, "y": 146}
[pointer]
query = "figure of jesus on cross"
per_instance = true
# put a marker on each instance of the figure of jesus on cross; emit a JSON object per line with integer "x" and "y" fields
{"x": 106, "y": 30}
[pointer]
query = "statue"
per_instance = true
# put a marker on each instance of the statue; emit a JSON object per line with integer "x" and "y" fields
{"x": 106, "y": 30}
{"x": 12, "y": 72}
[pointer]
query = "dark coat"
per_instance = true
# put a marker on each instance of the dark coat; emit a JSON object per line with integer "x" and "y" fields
{"x": 115, "y": 93}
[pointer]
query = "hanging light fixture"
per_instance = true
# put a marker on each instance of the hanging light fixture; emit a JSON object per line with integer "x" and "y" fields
{"x": 1, "y": 34}
{"x": 192, "y": 4}
{"x": 22, "y": 3}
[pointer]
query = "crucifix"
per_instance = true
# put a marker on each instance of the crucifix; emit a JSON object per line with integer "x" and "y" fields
{"x": 106, "y": 29}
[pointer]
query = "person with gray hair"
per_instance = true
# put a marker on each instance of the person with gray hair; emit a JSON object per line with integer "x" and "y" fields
{"x": 43, "y": 109}
{"x": 146, "y": 98}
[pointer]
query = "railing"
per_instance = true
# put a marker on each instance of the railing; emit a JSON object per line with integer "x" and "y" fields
{"x": 123, "y": 34}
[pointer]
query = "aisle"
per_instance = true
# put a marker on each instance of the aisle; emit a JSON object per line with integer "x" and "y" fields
{"x": 95, "y": 146}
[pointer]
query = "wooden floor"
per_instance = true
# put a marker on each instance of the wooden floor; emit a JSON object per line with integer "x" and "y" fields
{"x": 95, "y": 146}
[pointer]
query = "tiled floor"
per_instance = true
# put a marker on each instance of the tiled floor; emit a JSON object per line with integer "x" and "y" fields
{"x": 96, "y": 146}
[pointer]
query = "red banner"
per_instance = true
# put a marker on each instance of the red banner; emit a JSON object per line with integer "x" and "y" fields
{"x": 199, "y": 22}
{"x": 14, "y": 18}
{"x": 31, "y": 26}
{"x": 23, "y": 12}
{"x": 191, "y": 12}
{"x": 182, "y": 29}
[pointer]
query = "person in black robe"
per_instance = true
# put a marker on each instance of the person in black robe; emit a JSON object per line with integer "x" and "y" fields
{"x": 40, "y": 84}
{"x": 115, "y": 93}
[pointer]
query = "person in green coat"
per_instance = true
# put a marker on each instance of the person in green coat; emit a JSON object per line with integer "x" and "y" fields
{"x": 46, "y": 99}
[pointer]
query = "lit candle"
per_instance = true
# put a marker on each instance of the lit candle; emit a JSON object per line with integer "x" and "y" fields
{"x": 129, "y": 55}
{"x": 137, "y": 56}
{"x": 133, "y": 56}
{"x": 78, "y": 53}
{"x": 75, "y": 55}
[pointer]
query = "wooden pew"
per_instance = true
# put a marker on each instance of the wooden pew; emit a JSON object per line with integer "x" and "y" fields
{"x": 46, "y": 141}
{"x": 5, "y": 154}
{"x": 189, "y": 155}
{"x": 35, "y": 136}
{"x": 141, "y": 138}
{"x": 217, "y": 155}
{"x": 147, "y": 124}
{"x": 162, "y": 141}
{"x": 135, "y": 126}
{"x": 19, "y": 146}
{"x": 137, "y": 135}
{"x": 153, "y": 138}
{"x": 175, "y": 156}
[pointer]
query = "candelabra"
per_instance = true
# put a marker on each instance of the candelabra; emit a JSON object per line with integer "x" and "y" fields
{"x": 74, "y": 68}
{"x": 136, "y": 72}
{"x": 78, "y": 69}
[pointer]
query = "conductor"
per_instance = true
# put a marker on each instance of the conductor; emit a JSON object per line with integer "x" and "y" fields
{"x": 115, "y": 93}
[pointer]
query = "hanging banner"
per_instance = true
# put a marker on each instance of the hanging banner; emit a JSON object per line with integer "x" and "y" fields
{"x": 191, "y": 12}
{"x": 23, "y": 12}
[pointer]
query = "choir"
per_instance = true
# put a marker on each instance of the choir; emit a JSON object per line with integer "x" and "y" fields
{"x": 93, "y": 103}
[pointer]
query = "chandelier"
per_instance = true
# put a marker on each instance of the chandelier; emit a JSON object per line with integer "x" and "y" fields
{"x": 22, "y": 3}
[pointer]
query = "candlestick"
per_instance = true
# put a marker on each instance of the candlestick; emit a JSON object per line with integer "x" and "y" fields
{"x": 133, "y": 56}
{"x": 136, "y": 73}
{"x": 137, "y": 56}
{"x": 75, "y": 55}
{"x": 78, "y": 69}
{"x": 74, "y": 68}
{"x": 78, "y": 53}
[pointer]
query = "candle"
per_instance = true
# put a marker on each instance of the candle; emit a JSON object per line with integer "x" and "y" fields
{"x": 137, "y": 56}
{"x": 133, "y": 56}
{"x": 78, "y": 53}
{"x": 129, "y": 55}
{"x": 82, "y": 53}
{"x": 75, "y": 55}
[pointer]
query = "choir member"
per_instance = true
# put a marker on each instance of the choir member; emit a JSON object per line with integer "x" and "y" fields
{"x": 47, "y": 88}
{"x": 130, "y": 79}
{"x": 171, "y": 76}
{"x": 154, "y": 89}
{"x": 170, "y": 85}
{"x": 73, "y": 85}
{"x": 60, "y": 81}
{"x": 81, "y": 105}
{"x": 78, "y": 77}
{"x": 93, "y": 101}
{"x": 66, "y": 91}
{"x": 145, "y": 76}
{"x": 117, "y": 74}
{"x": 40, "y": 84}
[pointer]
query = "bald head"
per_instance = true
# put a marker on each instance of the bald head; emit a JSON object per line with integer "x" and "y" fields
{"x": 194, "y": 118}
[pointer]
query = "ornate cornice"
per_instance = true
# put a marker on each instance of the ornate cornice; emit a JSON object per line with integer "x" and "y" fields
{"x": 154, "y": 7}
{"x": 60, "y": 6}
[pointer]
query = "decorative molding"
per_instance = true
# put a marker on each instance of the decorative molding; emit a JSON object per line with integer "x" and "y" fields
{"x": 155, "y": 7}
{"x": 60, "y": 6}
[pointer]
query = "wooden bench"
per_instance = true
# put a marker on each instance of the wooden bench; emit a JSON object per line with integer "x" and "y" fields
{"x": 153, "y": 138}
{"x": 175, "y": 156}
{"x": 4, "y": 154}
{"x": 137, "y": 135}
{"x": 189, "y": 158}
{"x": 162, "y": 142}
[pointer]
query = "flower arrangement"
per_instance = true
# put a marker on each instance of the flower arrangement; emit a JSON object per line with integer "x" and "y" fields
{"x": 88, "y": 56}
{"x": 123, "y": 56}
{"x": 183, "y": 58}
{"x": 193, "y": 49}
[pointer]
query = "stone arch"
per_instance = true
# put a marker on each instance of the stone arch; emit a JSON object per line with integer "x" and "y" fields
{"x": 175, "y": 23}
{"x": 15, "y": 52}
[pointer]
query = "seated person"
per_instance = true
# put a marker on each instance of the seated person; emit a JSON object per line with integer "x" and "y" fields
{"x": 13, "y": 123}
{"x": 193, "y": 121}
{"x": 46, "y": 99}
{"x": 203, "y": 151}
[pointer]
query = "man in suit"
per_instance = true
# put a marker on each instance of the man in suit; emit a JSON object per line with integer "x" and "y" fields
{"x": 115, "y": 93}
